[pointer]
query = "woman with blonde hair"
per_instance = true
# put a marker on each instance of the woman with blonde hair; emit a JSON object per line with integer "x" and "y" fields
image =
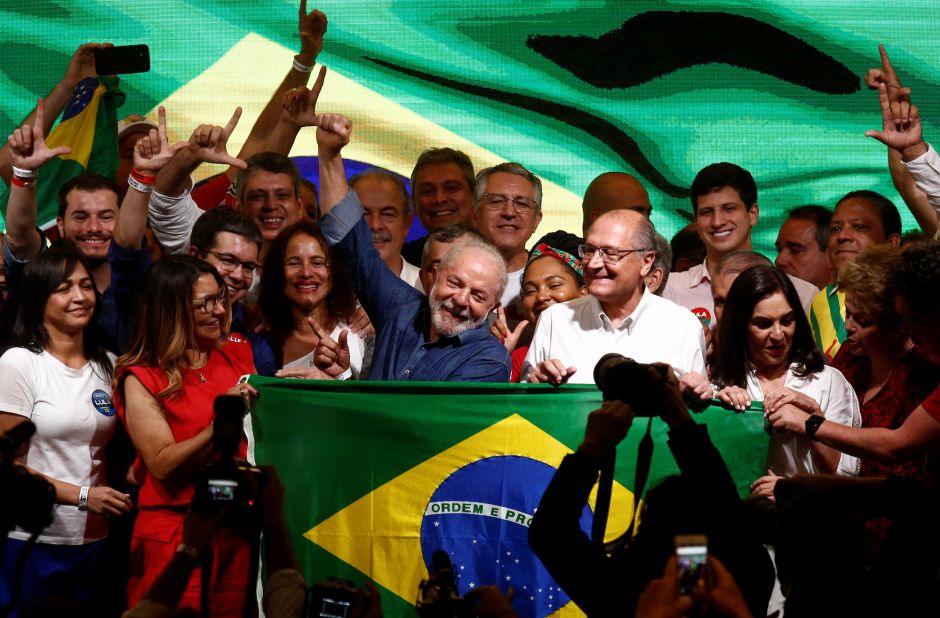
{"x": 178, "y": 362}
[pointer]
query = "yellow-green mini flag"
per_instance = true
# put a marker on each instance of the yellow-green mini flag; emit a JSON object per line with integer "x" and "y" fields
{"x": 89, "y": 127}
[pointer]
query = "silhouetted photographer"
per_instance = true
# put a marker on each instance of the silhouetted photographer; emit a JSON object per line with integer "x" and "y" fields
{"x": 702, "y": 500}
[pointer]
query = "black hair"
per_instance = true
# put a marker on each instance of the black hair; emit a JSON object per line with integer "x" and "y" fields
{"x": 752, "y": 286}
{"x": 223, "y": 219}
{"x": 340, "y": 302}
{"x": 887, "y": 211}
{"x": 820, "y": 215}
{"x": 86, "y": 181}
{"x": 916, "y": 277}
{"x": 717, "y": 175}
{"x": 41, "y": 277}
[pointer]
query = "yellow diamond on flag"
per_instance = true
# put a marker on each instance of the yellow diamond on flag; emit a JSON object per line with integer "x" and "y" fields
{"x": 470, "y": 498}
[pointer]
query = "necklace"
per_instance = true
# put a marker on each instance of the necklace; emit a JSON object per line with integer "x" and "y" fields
{"x": 198, "y": 370}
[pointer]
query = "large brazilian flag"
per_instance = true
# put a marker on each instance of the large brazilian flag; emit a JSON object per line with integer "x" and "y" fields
{"x": 568, "y": 88}
{"x": 379, "y": 475}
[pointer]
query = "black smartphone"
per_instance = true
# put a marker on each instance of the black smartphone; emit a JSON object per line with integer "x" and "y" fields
{"x": 122, "y": 59}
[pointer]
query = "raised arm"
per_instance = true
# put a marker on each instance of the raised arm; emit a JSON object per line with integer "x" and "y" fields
{"x": 269, "y": 132}
{"x": 333, "y": 132}
{"x": 28, "y": 152}
{"x": 81, "y": 65}
{"x": 902, "y": 132}
{"x": 151, "y": 153}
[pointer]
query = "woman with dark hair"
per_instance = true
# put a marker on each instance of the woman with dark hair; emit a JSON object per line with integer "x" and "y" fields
{"x": 59, "y": 377}
{"x": 178, "y": 362}
{"x": 550, "y": 276}
{"x": 305, "y": 298}
{"x": 766, "y": 349}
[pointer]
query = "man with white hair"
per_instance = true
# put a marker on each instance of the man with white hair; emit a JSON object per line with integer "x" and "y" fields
{"x": 443, "y": 337}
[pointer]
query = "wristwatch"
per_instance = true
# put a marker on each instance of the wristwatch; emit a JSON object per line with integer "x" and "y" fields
{"x": 812, "y": 425}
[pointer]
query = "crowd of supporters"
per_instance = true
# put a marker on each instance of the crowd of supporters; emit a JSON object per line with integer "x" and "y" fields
{"x": 157, "y": 296}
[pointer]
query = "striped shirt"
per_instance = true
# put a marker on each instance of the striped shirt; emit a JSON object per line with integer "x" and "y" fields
{"x": 827, "y": 319}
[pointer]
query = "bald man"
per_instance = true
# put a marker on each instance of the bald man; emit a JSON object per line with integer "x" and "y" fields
{"x": 619, "y": 314}
{"x": 613, "y": 191}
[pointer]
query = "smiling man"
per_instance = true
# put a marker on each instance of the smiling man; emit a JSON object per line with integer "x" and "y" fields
{"x": 618, "y": 315}
{"x": 231, "y": 242}
{"x": 440, "y": 338}
{"x": 442, "y": 191}
{"x": 384, "y": 201}
{"x": 724, "y": 203}
{"x": 861, "y": 219}
{"x": 507, "y": 208}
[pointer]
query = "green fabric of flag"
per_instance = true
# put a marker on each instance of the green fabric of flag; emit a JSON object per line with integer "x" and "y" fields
{"x": 380, "y": 474}
{"x": 89, "y": 127}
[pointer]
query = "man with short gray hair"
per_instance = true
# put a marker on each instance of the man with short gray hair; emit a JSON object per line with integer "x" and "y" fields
{"x": 507, "y": 208}
{"x": 618, "y": 315}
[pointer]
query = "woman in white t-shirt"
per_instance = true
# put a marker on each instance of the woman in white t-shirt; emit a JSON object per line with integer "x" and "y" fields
{"x": 59, "y": 378}
{"x": 305, "y": 295}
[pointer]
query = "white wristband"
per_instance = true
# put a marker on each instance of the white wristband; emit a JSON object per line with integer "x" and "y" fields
{"x": 133, "y": 183}
{"x": 83, "y": 498}
{"x": 345, "y": 375}
{"x": 19, "y": 171}
{"x": 301, "y": 67}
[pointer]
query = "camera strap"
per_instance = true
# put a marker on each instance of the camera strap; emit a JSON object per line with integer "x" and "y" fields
{"x": 644, "y": 458}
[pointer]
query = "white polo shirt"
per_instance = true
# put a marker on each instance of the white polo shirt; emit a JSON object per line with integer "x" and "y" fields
{"x": 578, "y": 333}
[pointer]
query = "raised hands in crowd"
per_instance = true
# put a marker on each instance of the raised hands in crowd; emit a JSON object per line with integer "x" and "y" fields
{"x": 294, "y": 287}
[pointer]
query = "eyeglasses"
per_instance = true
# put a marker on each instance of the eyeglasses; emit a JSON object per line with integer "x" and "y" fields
{"x": 497, "y": 201}
{"x": 229, "y": 263}
{"x": 609, "y": 256}
{"x": 209, "y": 303}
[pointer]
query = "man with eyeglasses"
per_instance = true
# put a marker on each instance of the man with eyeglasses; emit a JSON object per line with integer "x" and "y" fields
{"x": 618, "y": 315}
{"x": 507, "y": 208}
{"x": 231, "y": 242}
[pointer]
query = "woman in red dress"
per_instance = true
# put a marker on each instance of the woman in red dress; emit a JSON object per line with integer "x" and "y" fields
{"x": 178, "y": 362}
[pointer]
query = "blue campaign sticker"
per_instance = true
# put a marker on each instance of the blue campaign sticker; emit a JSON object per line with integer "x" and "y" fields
{"x": 102, "y": 402}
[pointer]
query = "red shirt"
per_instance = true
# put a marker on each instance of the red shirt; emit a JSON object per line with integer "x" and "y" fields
{"x": 906, "y": 387}
{"x": 189, "y": 411}
{"x": 213, "y": 192}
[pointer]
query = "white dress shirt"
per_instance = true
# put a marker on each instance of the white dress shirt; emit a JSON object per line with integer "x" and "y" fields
{"x": 578, "y": 333}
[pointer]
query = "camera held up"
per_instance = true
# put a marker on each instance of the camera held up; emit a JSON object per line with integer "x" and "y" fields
{"x": 230, "y": 482}
{"x": 624, "y": 379}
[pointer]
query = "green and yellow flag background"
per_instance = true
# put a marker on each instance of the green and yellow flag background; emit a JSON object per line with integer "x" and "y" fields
{"x": 569, "y": 88}
{"x": 379, "y": 475}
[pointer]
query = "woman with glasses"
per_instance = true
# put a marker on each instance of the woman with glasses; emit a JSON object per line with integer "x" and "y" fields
{"x": 766, "y": 352}
{"x": 305, "y": 298}
{"x": 178, "y": 362}
{"x": 59, "y": 377}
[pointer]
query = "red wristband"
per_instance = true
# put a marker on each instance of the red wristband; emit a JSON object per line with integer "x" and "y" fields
{"x": 143, "y": 178}
{"x": 23, "y": 183}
